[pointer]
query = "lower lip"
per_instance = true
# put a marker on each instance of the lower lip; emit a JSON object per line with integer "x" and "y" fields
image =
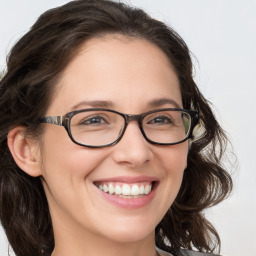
{"x": 130, "y": 203}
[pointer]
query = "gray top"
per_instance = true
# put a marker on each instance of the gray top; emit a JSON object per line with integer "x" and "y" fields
{"x": 185, "y": 253}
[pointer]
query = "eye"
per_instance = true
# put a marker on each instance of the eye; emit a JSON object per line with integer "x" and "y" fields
{"x": 93, "y": 120}
{"x": 160, "y": 120}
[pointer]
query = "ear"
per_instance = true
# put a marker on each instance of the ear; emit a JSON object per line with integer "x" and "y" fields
{"x": 25, "y": 151}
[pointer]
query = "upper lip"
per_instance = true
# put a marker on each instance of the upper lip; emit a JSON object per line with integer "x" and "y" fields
{"x": 128, "y": 179}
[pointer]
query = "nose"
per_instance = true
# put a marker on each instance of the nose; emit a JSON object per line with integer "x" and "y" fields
{"x": 132, "y": 150}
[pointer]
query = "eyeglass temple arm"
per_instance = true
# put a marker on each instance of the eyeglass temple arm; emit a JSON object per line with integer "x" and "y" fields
{"x": 57, "y": 120}
{"x": 196, "y": 118}
{"x": 195, "y": 122}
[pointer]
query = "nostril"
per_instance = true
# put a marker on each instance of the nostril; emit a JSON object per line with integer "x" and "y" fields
{"x": 132, "y": 151}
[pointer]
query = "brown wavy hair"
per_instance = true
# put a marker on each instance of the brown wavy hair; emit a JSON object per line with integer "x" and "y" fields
{"x": 34, "y": 65}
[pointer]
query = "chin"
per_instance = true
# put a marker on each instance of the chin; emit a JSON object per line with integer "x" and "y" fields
{"x": 131, "y": 236}
{"x": 130, "y": 231}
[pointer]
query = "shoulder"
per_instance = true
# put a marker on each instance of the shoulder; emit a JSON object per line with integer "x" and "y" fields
{"x": 182, "y": 252}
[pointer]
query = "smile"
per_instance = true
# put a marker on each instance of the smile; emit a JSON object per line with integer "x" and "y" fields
{"x": 126, "y": 190}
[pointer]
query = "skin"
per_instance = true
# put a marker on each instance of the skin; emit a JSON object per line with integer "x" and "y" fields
{"x": 128, "y": 73}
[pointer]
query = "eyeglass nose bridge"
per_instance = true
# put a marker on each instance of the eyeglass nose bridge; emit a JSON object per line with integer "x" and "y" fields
{"x": 129, "y": 118}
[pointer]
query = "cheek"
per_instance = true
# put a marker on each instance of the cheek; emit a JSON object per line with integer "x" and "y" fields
{"x": 61, "y": 157}
{"x": 174, "y": 158}
{"x": 67, "y": 173}
{"x": 173, "y": 162}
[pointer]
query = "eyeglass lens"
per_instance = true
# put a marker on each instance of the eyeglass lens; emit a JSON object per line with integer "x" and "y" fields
{"x": 98, "y": 128}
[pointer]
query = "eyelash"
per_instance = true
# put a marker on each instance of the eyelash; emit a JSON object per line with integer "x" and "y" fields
{"x": 88, "y": 119}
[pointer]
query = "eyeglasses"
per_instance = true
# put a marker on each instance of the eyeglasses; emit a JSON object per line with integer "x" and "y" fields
{"x": 99, "y": 127}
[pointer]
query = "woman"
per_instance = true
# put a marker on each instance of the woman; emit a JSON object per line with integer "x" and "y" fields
{"x": 138, "y": 157}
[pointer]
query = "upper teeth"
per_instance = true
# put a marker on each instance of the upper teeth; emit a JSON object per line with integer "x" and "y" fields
{"x": 126, "y": 189}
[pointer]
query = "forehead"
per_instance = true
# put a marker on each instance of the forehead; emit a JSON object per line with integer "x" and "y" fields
{"x": 118, "y": 69}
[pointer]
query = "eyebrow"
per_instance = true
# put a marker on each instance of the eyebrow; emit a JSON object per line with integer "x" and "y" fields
{"x": 94, "y": 104}
{"x": 109, "y": 104}
{"x": 162, "y": 101}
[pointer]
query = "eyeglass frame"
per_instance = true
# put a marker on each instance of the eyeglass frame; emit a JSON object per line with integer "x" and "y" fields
{"x": 65, "y": 120}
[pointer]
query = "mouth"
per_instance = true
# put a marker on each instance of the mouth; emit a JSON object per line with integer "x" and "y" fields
{"x": 126, "y": 190}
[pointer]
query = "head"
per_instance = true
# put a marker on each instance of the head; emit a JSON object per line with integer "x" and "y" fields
{"x": 61, "y": 62}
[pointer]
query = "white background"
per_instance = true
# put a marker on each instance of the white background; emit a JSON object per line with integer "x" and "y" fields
{"x": 222, "y": 36}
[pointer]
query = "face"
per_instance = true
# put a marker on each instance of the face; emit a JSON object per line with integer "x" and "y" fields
{"x": 125, "y": 75}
